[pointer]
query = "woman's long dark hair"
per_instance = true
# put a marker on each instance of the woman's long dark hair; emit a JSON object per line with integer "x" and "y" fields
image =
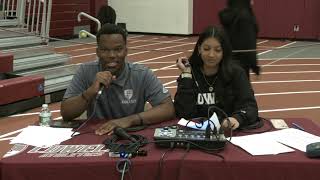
{"x": 225, "y": 68}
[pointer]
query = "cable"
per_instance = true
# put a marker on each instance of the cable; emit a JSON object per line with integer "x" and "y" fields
{"x": 130, "y": 149}
{"x": 226, "y": 117}
{"x": 161, "y": 161}
{"x": 182, "y": 159}
{"x": 123, "y": 166}
{"x": 88, "y": 119}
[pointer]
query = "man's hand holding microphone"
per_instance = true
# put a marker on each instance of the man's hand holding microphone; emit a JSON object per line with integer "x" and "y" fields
{"x": 102, "y": 81}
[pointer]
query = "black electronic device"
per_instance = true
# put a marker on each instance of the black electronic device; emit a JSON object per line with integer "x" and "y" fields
{"x": 313, "y": 150}
{"x": 123, "y": 134}
{"x": 65, "y": 124}
{"x": 172, "y": 136}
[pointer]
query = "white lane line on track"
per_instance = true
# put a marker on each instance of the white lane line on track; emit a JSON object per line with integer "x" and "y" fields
{"x": 264, "y": 52}
{"x": 135, "y": 36}
{"x": 90, "y": 43}
{"x": 291, "y": 54}
{"x": 184, "y": 44}
{"x": 131, "y": 42}
{"x": 290, "y": 72}
{"x": 158, "y": 49}
{"x": 30, "y": 114}
{"x": 72, "y": 45}
{"x": 83, "y": 55}
{"x": 277, "y": 48}
{"x": 6, "y": 139}
{"x": 266, "y": 73}
{"x": 80, "y": 49}
{"x": 267, "y": 82}
{"x": 170, "y": 82}
{"x": 158, "y": 57}
{"x": 261, "y": 42}
{"x": 164, "y": 42}
{"x": 287, "y": 65}
{"x": 141, "y": 52}
{"x": 272, "y": 65}
{"x": 94, "y": 47}
{"x": 160, "y": 62}
{"x": 289, "y": 109}
{"x": 160, "y": 42}
{"x": 287, "y": 93}
{"x": 11, "y": 133}
{"x": 94, "y": 43}
{"x": 90, "y": 54}
{"x": 163, "y": 68}
{"x": 306, "y": 58}
{"x": 284, "y": 81}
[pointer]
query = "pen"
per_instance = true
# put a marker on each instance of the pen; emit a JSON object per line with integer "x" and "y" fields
{"x": 297, "y": 126}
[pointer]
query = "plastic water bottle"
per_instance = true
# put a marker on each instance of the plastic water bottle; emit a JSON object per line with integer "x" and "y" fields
{"x": 45, "y": 116}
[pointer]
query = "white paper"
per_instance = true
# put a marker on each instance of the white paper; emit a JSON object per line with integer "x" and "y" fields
{"x": 260, "y": 144}
{"x": 274, "y": 142}
{"x": 214, "y": 122}
{"x": 42, "y": 136}
{"x": 294, "y": 138}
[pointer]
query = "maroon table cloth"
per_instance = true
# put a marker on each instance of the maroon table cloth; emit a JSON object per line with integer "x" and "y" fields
{"x": 176, "y": 164}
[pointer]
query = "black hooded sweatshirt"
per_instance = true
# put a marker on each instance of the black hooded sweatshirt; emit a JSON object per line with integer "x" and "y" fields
{"x": 235, "y": 97}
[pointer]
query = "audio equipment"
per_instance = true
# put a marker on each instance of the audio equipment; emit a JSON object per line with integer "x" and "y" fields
{"x": 175, "y": 137}
{"x": 123, "y": 134}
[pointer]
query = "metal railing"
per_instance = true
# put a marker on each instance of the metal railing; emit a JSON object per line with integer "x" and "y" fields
{"x": 34, "y": 15}
{"x": 91, "y": 18}
{"x": 8, "y": 8}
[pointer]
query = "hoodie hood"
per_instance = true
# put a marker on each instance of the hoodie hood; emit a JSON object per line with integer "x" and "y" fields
{"x": 227, "y": 17}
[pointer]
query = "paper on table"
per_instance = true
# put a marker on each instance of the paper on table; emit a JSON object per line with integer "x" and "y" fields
{"x": 213, "y": 120}
{"x": 260, "y": 144}
{"x": 295, "y": 138}
{"x": 42, "y": 136}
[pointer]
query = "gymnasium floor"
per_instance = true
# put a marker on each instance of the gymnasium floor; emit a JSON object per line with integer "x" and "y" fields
{"x": 289, "y": 86}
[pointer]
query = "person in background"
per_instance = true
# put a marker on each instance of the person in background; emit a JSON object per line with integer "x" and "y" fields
{"x": 212, "y": 79}
{"x": 240, "y": 23}
{"x": 107, "y": 14}
{"x": 126, "y": 87}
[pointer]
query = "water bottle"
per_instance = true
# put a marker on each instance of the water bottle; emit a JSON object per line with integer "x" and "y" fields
{"x": 45, "y": 116}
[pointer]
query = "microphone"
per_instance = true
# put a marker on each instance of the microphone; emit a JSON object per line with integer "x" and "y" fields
{"x": 100, "y": 89}
{"x": 120, "y": 132}
{"x": 102, "y": 86}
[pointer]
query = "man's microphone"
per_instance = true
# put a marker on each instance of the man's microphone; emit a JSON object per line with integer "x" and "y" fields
{"x": 102, "y": 86}
{"x": 122, "y": 133}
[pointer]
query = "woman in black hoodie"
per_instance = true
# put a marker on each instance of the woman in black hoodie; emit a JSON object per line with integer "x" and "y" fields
{"x": 213, "y": 80}
{"x": 239, "y": 22}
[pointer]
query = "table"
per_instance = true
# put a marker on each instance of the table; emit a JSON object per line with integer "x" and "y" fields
{"x": 237, "y": 164}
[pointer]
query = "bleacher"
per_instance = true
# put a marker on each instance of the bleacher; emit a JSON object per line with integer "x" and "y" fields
{"x": 24, "y": 37}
